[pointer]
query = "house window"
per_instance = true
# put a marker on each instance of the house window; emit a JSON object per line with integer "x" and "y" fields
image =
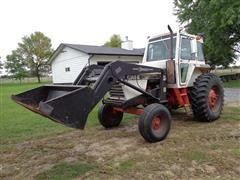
{"x": 67, "y": 69}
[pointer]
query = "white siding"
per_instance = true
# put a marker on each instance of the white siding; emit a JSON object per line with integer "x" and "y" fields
{"x": 71, "y": 58}
{"x": 97, "y": 58}
{"x": 76, "y": 61}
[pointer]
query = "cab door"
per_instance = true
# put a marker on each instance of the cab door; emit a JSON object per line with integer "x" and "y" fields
{"x": 186, "y": 59}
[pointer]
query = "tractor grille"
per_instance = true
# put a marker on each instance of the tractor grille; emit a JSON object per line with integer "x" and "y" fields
{"x": 116, "y": 95}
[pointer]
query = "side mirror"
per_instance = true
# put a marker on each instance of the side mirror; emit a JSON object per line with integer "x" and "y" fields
{"x": 193, "y": 46}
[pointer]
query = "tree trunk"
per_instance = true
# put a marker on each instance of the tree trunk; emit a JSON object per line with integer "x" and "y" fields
{"x": 38, "y": 75}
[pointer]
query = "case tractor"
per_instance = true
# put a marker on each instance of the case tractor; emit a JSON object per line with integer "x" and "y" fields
{"x": 173, "y": 74}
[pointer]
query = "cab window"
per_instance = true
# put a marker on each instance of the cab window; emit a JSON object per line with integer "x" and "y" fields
{"x": 186, "y": 49}
{"x": 160, "y": 50}
{"x": 200, "y": 52}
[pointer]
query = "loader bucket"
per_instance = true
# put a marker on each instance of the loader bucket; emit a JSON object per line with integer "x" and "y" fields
{"x": 66, "y": 104}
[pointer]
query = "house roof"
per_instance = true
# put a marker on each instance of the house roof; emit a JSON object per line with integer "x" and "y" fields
{"x": 98, "y": 50}
{"x": 105, "y": 50}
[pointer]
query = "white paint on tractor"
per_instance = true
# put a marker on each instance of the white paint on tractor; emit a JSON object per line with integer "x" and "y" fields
{"x": 195, "y": 68}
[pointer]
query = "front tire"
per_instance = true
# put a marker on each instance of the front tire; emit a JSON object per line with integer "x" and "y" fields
{"x": 108, "y": 117}
{"x": 207, "y": 97}
{"x": 155, "y": 123}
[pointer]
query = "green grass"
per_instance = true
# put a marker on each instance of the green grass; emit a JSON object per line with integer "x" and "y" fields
{"x": 236, "y": 151}
{"x": 195, "y": 155}
{"x": 232, "y": 84}
{"x": 231, "y": 113}
{"x": 17, "y": 123}
{"x": 126, "y": 165}
{"x": 66, "y": 170}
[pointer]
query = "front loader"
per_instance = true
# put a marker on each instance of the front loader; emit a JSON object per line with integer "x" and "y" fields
{"x": 173, "y": 75}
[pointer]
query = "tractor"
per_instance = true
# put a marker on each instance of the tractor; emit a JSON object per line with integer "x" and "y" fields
{"x": 173, "y": 74}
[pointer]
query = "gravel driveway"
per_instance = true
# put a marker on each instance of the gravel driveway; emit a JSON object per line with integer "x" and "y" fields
{"x": 232, "y": 95}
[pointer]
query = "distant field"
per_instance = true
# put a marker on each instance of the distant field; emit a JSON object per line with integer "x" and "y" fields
{"x": 232, "y": 84}
{"x": 220, "y": 72}
{"x": 25, "y": 80}
{"x": 49, "y": 79}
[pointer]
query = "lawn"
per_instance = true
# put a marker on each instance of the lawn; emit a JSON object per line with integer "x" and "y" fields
{"x": 34, "y": 147}
{"x": 18, "y": 123}
{"x": 232, "y": 84}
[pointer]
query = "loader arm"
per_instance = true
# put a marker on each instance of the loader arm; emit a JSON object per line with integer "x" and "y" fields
{"x": 117, "y": 71}
{"x": 70, "y": 105}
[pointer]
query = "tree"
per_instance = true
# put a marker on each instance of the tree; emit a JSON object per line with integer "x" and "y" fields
{"x": 115, "y": 41}
{"x": 219, "y": 20}
{"x": 35, "y": 50}
{"x": 1, "y": 65}
{"x": 16, "y": 66}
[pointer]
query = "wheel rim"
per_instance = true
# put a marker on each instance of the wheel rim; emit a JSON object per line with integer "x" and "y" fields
{"x": 156, "y": 123}
{"x": 213, "y": 98}
{"x": 111, "y": 114}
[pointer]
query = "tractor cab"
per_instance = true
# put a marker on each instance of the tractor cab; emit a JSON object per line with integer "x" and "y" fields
{"x": 186, "y": 55}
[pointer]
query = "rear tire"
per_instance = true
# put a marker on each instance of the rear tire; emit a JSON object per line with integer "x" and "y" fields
{"x": 109, "y": 118}
{"x": 155, "y": 123}
{"x": 207, "y": 97}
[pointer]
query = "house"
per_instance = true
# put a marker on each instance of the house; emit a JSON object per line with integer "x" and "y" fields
{"x": 69, "y": 59}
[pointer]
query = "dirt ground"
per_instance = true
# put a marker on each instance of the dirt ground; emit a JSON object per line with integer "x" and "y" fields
{"x": 192, "y": 150}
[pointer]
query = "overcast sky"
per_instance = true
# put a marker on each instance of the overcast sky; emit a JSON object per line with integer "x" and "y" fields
{"x": 90, "y": 22}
